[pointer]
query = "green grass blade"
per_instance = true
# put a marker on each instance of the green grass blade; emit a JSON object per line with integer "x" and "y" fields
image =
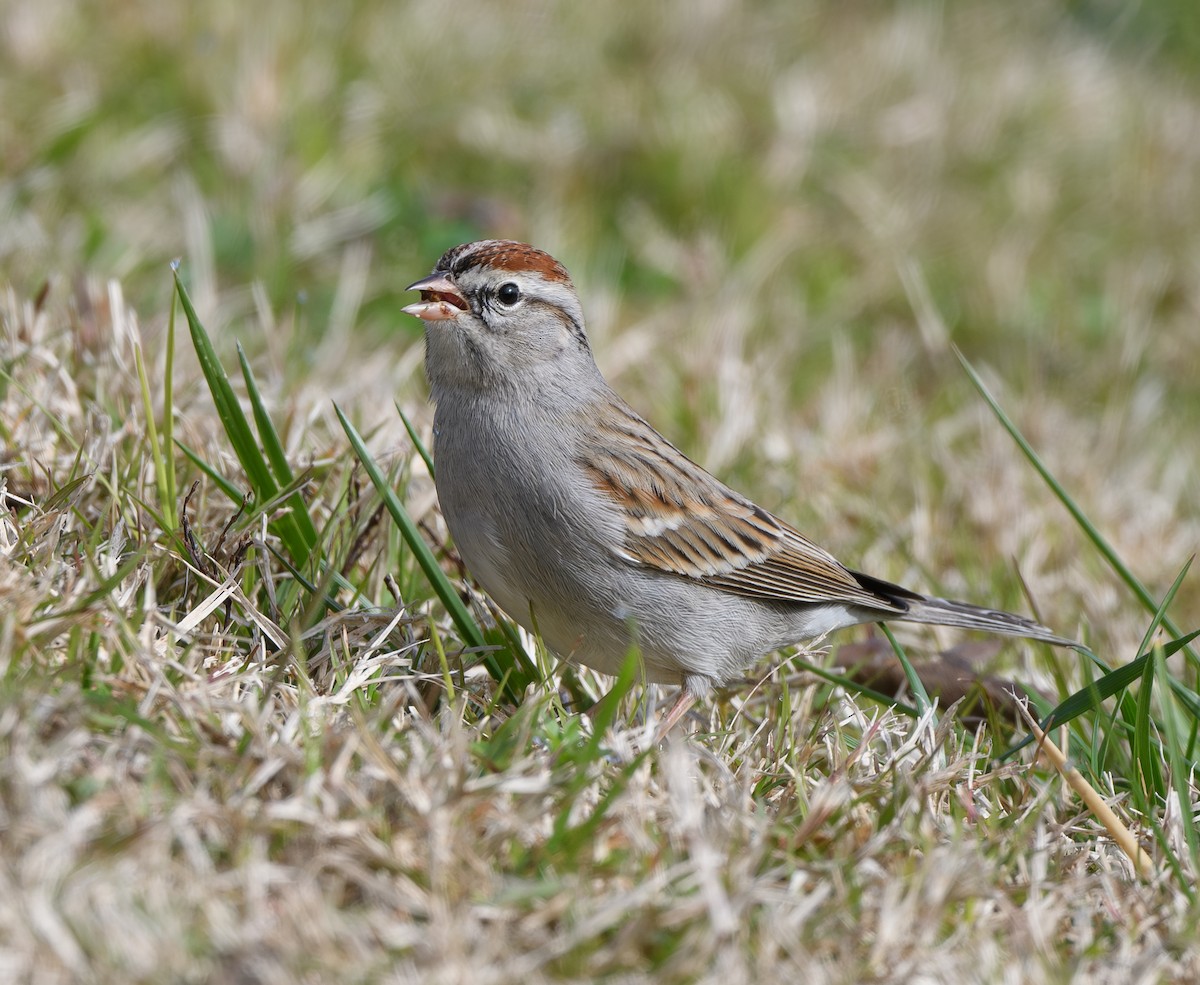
{"x": 915, "y": 684}
{"x": 1151, "y": 785}
{"x": 1098, "y": 540}
{"x": 168, "y": 426}
{"x": 606, "y": 709}
{"x": 157, "y": 456}
{"x": 1186, "y": 697}
{"x": 567, "y": 840}
{"x": 275, "y": 453}
{"x": 853, "y": 687}
{"x": 338, "y": 579}
{"x": 1094, "y": 694}
{"x": 1148, "y": 785}
{"x": 262, "y": 420}
{"x": 441, "y": 585}
{"x": 1108, "y": 685}
{"x": 237, "y": 428}
{"x": 61, "y": 497}
{"x": 233, "y": 420}
{"x": 227, "y": 487}
{"x": 418, "y": 444}
{"x": 1174, "y": 736}
{"x": 568, "y": 834}
{"x": 1161, "y": 613}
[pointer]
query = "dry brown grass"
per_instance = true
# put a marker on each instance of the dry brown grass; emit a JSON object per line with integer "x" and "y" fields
{"x": 779, "y": 219}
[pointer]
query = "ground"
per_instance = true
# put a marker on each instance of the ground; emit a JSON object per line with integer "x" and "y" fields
{"x": 249, "y": 733}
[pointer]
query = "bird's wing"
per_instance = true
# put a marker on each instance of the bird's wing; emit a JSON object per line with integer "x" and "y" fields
{"x": 680, "y": 519}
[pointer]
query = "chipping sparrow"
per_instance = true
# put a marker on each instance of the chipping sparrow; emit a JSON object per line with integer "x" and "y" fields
{"x": 583, "y": 522}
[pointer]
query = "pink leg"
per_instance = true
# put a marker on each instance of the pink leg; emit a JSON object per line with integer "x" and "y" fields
{"x": 685, "y": 700}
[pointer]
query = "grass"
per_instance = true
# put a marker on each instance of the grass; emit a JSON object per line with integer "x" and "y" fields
{"x": 256, "y": 724}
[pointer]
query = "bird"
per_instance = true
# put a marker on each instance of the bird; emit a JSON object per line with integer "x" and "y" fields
{"x": 588, "y": 527}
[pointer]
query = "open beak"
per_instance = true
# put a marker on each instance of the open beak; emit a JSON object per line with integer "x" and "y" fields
{"x": 440, "y": 299}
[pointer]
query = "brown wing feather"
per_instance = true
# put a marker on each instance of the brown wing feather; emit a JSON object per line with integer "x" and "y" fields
{"x": 679, "y": 519}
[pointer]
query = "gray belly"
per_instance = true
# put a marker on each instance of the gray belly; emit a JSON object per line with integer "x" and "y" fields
{"x": 545, "y": 553}
{"x": 591, "y": 607}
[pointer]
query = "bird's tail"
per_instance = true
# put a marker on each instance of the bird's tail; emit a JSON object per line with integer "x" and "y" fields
{"x": 946, "y": 612}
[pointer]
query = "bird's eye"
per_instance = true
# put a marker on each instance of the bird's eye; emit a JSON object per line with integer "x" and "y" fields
{"x": 509, "y": 294}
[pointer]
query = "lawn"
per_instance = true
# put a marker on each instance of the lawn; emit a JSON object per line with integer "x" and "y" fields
{"x": 257, "y": 724}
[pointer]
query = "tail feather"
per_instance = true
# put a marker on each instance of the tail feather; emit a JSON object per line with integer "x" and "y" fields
{"x": 946, "y": 612}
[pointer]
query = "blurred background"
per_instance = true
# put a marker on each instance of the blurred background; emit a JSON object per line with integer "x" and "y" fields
{"x": 782, "y": 217}
{"x": 779, "y": 215}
